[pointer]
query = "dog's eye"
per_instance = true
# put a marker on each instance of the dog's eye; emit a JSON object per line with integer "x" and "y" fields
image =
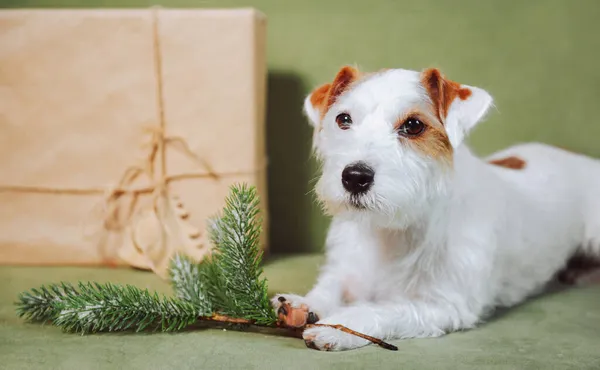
{"x": 411, "y": 127}
{"x": 343, "y": 120}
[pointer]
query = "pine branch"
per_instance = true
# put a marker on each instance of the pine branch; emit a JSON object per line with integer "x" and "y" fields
{"x": 239, "y": 290}
{"x": 97, "y": 307}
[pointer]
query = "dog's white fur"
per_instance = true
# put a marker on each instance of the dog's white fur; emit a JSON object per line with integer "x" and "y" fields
{"x": 437, "y": 247}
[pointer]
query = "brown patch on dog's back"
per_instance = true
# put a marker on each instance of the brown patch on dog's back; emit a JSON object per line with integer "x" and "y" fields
{"x": 442, "y": 91}
{"x": 511, "y": 162}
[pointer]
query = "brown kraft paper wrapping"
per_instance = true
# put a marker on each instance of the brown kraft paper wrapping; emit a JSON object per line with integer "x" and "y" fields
{"x": 97, "y": 107}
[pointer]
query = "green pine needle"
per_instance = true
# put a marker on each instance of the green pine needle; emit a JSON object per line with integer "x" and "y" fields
{"x": 235, "y": 270}
{"x": 43, "y": 304}
{"x": 95, "y": 307}
{"x": 189, "y": 283}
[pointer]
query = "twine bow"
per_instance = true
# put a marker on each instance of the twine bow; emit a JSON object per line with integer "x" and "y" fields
{"x": 165, "y": 213}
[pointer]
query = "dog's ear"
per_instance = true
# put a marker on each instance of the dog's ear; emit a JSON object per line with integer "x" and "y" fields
{"x": 320, "y": 99}
{"x": 458, "y": 107}
{"x": 316, "y": 103}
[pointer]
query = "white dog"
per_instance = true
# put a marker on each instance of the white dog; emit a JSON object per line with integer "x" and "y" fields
{"x": 426, "y": 238}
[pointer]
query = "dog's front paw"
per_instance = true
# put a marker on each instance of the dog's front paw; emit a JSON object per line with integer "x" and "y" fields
{"x": 329, "y": 339}
{"x": 293, "y": 310}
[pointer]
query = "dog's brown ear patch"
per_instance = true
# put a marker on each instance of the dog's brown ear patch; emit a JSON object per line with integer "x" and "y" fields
{"x": 442, "y": 91}
{"x": 511, "y": 162}
{"x": 346, "y": 76}
{"x": 325, "y": 95}
{"x": 318, "y": 98}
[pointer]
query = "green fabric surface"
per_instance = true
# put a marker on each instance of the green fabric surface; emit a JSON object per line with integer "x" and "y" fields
{"x": 538, "y": 58}
{"x": 559, "y": 330}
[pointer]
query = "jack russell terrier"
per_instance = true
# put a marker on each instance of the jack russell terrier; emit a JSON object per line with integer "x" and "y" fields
{"x": 427, "y": 238}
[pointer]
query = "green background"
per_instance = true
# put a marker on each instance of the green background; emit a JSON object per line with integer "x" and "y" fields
{"x": 538, "y": 58}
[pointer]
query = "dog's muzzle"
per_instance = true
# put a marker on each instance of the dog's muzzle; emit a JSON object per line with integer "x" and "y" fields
{"x": 357, "y": 178}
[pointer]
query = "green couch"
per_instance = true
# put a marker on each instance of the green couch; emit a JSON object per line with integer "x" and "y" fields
{"x": 560, "y": 330}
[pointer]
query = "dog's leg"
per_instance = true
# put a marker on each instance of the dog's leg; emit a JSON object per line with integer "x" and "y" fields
{"x": 390, "y": 321}
{"x": 350, "y": 248}
{"x": 323, "y": 300}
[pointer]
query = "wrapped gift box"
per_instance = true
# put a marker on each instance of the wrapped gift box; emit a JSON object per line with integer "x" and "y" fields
{"x": 121, "y": 131}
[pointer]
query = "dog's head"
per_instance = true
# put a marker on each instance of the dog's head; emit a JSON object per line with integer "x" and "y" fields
{"x": 387, "y": 140}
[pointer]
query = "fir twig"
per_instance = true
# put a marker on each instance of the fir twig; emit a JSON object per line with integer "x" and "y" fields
{"x": 239, "y": 290}
{"x": 97, "y": 307}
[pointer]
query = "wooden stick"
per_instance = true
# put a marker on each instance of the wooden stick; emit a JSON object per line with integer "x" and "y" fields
{"x": 374, "y": 340}
{"x": 233, "y": 320}
{"x": 227, "y": 319}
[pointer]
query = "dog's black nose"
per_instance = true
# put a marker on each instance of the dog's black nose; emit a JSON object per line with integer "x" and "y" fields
{"x": 357, "y": 178}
